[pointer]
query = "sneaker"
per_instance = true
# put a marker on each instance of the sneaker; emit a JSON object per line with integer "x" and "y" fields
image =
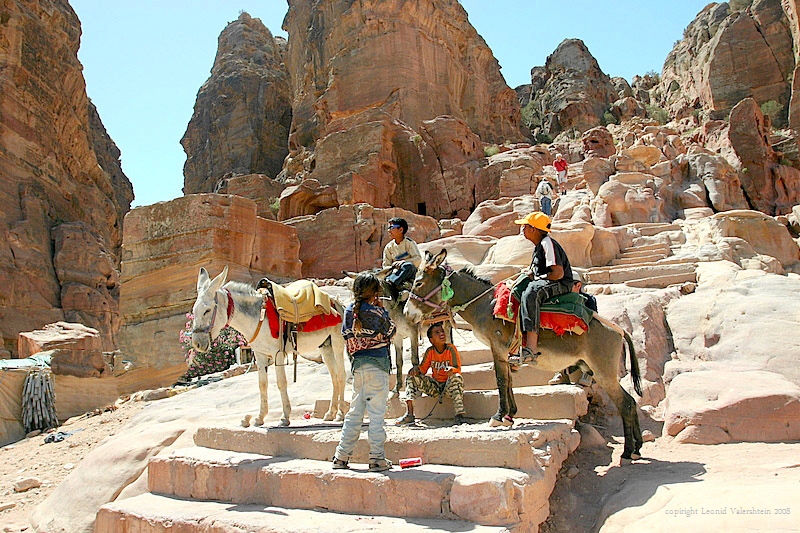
{"x": 586, "y": 380}
{"x": 559, "y": 379}
{"x": 459, "y": 419}
{"x": 405, "y": 420}
{"x": 379, "y": 465}
{"x": 340, "y": 464}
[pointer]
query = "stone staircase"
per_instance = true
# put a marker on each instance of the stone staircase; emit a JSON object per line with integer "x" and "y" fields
{"x": 473, "y": 477}
{"x": 648, "y": 263}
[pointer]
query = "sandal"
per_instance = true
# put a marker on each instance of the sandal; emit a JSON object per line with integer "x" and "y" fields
{"x": 379, "y": 465}
{"x": 406, "y": 420}
{"x": 525, "y": 356}
{"x": 340, "y": 464}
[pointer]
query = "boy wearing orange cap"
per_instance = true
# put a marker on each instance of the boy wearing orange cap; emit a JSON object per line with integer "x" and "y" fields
{"x": 550, "y": 274}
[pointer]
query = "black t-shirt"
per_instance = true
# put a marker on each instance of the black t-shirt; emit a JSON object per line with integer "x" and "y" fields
{"x": 547, "y": 254}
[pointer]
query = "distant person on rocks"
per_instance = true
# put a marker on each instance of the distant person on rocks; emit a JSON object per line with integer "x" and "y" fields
{"x": 561, "y": 165}
{"x": 562, "y": 378}
{"x": 367, "y": 330}
{"x": 545, "y": 193}
{"x": 444, "y": 361}
{"x": 402, "y": 254}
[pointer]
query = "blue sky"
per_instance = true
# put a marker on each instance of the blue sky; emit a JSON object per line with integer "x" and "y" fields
{"x": 145, "y": 60}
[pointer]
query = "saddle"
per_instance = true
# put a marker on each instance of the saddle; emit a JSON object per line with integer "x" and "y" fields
{"x": 301, "y": 306}
{"x": 299, "y": 301}
{"x": 561, "y": 314}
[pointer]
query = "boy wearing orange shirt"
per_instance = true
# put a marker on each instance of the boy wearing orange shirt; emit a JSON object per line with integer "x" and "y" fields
{"x": 444, "y": 362}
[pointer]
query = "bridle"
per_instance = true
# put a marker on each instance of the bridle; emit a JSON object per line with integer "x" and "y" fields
{"x": 439, "y": 288}
{"x": 444, "y": 287}
{"x": 230, "y": 310}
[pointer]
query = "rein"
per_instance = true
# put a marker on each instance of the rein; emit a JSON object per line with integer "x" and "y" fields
{"x": 447, "y": 293}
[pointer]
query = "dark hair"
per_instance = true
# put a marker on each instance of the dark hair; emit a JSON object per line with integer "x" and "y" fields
{"x": 365, "y": 286}
{"x": 397, "y": 221}
{"x": 434, "y": 325}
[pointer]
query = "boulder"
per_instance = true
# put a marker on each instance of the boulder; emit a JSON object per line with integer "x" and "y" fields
{"x": 260, "y": 188}
{"x": 715, "y": 407}
{"x": 598, "y": 142}
{"x": 61, "y": 335}
{"x": 736, "y": 320}
{"x": 763, "y": 233}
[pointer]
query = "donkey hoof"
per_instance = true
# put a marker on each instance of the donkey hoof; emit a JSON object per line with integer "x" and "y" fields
{"x": 259, "y": 421}
{"x": 246, "y": 421}
{"x": 339, "y": 418}
{"x": 328, "y": 417}
{"x": 284, "y": 422}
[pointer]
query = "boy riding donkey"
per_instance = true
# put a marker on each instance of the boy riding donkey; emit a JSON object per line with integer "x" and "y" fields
{"x": 549, "y": 275}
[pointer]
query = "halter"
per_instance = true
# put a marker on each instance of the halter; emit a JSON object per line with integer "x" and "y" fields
{"x": 443, "y": 287}
{"x": 231, "y": 309}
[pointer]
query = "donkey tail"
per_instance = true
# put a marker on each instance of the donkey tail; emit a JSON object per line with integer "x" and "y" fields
{"x": 635, "y": 375}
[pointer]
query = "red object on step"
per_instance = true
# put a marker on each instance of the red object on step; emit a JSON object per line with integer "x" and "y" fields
{"x": 307, "y": 416}
{"x": 411, "y": 461}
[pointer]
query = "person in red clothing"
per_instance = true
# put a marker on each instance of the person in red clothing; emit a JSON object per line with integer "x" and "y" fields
{"x": 444, "y": 362}
{"x": 561, "y": 167}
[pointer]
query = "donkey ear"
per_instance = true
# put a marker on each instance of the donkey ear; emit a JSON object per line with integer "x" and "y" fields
{"x": 217, "y": 282}
{"x": 202, "y": 279}
{"x": 438, "y": 258}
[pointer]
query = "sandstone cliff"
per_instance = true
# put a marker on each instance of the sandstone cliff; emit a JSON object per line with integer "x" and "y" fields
{"x": 243, "y": 111}
{"x": 61, "y": 179}
{"x": 730, "y": 52}
{"x": 569, "y": 92}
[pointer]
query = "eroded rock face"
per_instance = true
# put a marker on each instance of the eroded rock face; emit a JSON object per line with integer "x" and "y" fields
{"x": 572, "y": 90}
{"x": 58, "y": 166}
{"x": 598, "y": 142}
{"x": 415, "y": 61}
{"x": 729, "y": 53}
{"x": 357, "y": 234}
{"x": 162, "y": 255}
{"x": 243, "y": 111}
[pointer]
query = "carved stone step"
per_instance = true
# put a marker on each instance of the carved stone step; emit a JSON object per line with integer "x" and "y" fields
{"x": 484, "y": 495}
{"x": 621, "y": 274}
{"x": 518, "y": 447}
{"x": 151, "y": 513}
{"x": 639, "y": 259}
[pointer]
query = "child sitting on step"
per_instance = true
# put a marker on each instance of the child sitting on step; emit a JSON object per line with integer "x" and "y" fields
{"x": 444, "y": 362}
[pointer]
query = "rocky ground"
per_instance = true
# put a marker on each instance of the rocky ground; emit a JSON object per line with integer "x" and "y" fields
{"x": 33, "y": 462}
{"x": 674, "y": 485}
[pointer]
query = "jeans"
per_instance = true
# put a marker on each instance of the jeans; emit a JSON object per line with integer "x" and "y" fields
{"x": 547, "y": 204}
{"x": 405, "y": 272}
{"x": 371, "y": 390}
{"x": 532, "y": 298}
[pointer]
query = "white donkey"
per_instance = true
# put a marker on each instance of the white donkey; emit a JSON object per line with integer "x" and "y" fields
{"x": 239, "y": 305}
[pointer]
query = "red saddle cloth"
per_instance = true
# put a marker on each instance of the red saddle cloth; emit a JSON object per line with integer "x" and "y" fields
{"x": 315, "y": 323}
{"x": 506, "y": 307}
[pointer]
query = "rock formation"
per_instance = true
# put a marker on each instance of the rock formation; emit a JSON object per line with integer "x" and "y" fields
{"x": 243, "y": 111}
{"x": 727, "y": 54}
{"x": 570, "y": 92}
{"x": 429, "y": 93}
{"x": 163, "y": 251}
{"x": 59, "y": 167}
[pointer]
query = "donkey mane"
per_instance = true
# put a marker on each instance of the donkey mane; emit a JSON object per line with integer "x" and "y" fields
{"x": 470, "y": 271}
{"x": 248, "y": 306}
